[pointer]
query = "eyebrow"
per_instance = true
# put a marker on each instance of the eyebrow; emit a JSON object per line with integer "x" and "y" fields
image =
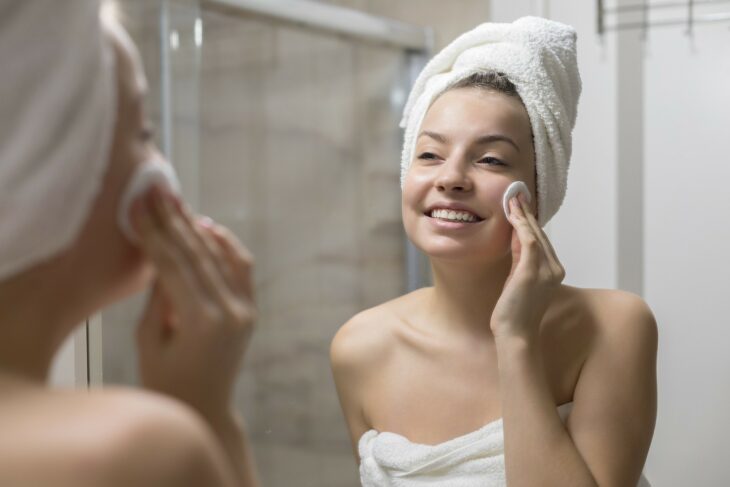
{"x": 484, "y": 139}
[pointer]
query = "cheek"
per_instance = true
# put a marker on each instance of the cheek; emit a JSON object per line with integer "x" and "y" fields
{"x": 492, "y": 194}
{"x": 414, "y": 190}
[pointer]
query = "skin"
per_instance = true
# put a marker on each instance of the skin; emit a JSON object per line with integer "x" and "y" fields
{"x": 181, "y": 430}
{"x": 499, "y": 335}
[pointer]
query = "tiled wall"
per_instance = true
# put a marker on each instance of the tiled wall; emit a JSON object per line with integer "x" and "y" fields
{"x": 299, "y": 158}
{"x": 289, "y": 137}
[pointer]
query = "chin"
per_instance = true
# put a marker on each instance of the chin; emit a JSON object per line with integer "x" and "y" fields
{"x": 486, "y": 245}
{"x": 461, "y": 253}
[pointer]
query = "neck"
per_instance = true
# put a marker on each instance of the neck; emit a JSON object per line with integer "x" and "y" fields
{"x": 465, "y": 294}
{"x": 38, "y": 310}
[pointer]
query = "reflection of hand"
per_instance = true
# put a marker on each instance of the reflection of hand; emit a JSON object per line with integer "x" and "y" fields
{"x": 536, "y": 274}
{"x": 200, "y": 315}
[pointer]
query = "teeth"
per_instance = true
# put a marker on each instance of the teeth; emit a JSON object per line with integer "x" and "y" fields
{"x": 459, "y": 216}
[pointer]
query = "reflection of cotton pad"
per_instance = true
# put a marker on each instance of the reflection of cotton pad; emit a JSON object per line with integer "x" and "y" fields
{"x": 512, "y": 190}
{"x": 148, "y": 174}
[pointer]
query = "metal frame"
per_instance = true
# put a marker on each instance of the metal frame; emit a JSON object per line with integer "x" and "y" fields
{"x": 690, "y": 17}
{"x": 335, "y": 19}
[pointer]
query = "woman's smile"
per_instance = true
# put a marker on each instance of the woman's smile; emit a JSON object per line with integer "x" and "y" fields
{"x": 452, "y": 216}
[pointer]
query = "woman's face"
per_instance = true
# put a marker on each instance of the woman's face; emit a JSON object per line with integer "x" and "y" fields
{"x": 121, "y": 268}
{"x": 472, "y": 144}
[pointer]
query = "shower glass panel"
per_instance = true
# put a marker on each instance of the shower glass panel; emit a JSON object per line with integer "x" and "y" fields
{"x": 288, "y": 136}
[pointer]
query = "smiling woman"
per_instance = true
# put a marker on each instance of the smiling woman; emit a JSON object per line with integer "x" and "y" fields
{"x": 478, "y": 132}
{"x": 498, "y": 372}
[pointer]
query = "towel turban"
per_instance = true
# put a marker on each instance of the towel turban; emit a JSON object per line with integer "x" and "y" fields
{"x": 57, "y": 115}
{"x": 539, "y": 58}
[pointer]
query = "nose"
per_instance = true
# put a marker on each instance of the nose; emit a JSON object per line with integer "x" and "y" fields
{"x": 453, "y": 176}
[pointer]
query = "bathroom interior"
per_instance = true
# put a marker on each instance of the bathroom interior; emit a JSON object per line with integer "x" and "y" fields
{"x": 281, "y": 118}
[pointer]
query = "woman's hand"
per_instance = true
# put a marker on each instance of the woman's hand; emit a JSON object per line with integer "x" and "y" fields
{"x": 535, "y": 276}
{"x": 201, "y": 312}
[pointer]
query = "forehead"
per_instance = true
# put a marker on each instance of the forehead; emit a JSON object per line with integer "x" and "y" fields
{"x": 475, "y": 111}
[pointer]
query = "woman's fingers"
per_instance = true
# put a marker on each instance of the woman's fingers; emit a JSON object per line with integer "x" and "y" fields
{"x": 157, "y": 319}
{"x": 202, "y": 226}
{"x": 230, "y": 259}
{"x": 547, "y": 248}
{"x": 213, "y": 261}
{"x": 529, "y": 242}
{"x": 173, "y": 272}
{"x": 238, "y": 258}
{"x": 183, "y": 234}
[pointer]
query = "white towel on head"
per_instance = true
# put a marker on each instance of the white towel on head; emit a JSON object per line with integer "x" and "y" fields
{"x": 57, "y": 114}
{"x": 539, "y": 58}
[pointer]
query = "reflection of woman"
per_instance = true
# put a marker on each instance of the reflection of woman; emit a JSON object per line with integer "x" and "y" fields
{"x": 498, "y": 372}
{"x": 72, "y": 135}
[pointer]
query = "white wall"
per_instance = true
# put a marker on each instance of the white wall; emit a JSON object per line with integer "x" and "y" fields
{"x": 687, "y": 275}
{"x": 659, "y": 146}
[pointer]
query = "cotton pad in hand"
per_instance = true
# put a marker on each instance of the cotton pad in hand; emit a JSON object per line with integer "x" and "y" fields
{"x": 512, "y": 190}
{"x": 148, "y": 174}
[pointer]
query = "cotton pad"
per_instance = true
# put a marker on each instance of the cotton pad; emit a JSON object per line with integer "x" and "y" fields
{"x": 148, "y": 174}
{"x": 513, "y": 190}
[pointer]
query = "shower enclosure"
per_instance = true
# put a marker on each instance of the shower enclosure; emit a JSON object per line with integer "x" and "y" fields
{"x": 282, "y": 121}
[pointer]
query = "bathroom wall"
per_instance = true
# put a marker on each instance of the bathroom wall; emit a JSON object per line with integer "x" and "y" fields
{"x": 686, "y": 268}
{"x": 298, "y": 141}
{"x": 648, "y": 191}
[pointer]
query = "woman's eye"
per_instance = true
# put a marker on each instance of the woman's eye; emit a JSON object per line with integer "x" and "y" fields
{"x": 492, "y": 161}
{"x": 147, "y": 134}
{"x": 427, "y": 155}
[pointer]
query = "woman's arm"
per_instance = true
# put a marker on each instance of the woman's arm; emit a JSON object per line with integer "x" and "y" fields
{"x": 344, "y": 358}
{"x": 230, "y": 429}
{"x": 199, "y": 319}
{"x": 610, "y": 427}
{"x": 356, "y": 353}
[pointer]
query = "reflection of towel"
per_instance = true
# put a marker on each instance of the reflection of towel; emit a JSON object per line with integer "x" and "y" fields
{"x": 472, "y": 460}
{"x": 57, "y": 113}
{"x": 539, "y": 57}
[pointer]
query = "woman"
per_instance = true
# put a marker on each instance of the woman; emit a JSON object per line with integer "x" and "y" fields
{"x": 72, "y": 137}
{"x": 498, "y": 373}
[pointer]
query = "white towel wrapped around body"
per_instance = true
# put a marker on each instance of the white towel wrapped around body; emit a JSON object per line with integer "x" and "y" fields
{"x": 539, "y": 58}
{"x": 472, "y": 460}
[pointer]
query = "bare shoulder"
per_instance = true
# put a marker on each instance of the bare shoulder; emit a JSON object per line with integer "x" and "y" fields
{"x": 112, "y": 437}
{"x": 621, "y": 314}
{"x": 615, "y": 398}
{"x": 359, "y": 354}
{"x": 369, "y": 336}
{"x": 159, "y": 440}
